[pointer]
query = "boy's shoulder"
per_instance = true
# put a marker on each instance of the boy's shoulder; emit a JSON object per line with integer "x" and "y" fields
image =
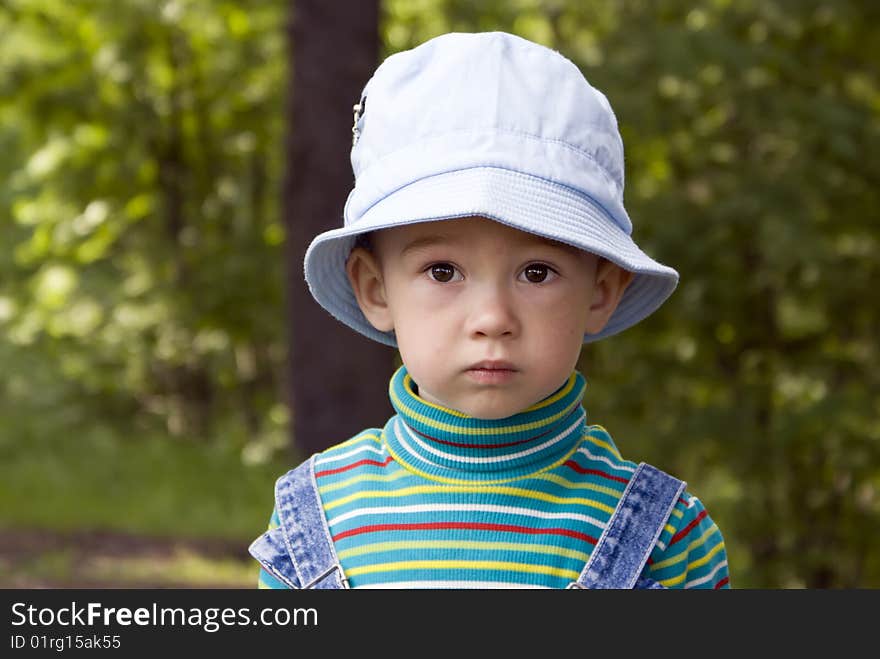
{"x": 363, "y": 448}
{"x": 689, "y": 510}
{"x": 599, "y": 445}
{"x": 365, "y": 440}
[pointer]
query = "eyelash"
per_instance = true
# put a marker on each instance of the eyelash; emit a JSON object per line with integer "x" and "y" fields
{"x": 431, "y": 267}
{"x": 550, "y": 271}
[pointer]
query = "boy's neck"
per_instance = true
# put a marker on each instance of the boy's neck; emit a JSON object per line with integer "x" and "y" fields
{"x": 444, "y": 444}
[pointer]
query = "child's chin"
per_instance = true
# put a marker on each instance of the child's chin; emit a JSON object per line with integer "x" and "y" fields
{"x": 492, "y": 412}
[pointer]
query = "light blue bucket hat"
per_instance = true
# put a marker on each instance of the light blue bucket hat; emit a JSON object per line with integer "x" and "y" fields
{"x": 495, "y": 125}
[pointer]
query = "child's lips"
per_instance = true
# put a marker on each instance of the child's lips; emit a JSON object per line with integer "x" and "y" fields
{"x": 492, "y": 365}
{"x": 495, "y": 372}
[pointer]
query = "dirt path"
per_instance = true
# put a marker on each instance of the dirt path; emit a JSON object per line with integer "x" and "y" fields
{"x": 36, "y": 558}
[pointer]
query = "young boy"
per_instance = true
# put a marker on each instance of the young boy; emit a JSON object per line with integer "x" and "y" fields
{"x": 486, "y": 239}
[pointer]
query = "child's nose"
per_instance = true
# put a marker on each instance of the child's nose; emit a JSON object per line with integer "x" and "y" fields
{"x": 493, "y": 313}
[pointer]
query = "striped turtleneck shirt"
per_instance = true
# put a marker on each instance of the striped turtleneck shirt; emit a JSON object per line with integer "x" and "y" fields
{"x": 438, "y": 499}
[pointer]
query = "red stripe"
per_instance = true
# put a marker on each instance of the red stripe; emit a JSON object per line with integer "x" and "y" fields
{"x": 446, "y": 442}
{"x": 327, "y": 472}
{"x": 474, "y": 446}
{"x": 722, "y": 583}
{"x": 432, "y": 526}
{"x": 678, "y": 536}
{"x": 581, "y": 470}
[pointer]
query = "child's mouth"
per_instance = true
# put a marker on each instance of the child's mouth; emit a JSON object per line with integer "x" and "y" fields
{"x": 485, "y": 374}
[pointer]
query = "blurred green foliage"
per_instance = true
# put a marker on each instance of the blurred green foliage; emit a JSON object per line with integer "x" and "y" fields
{"x": 141, "y": 276}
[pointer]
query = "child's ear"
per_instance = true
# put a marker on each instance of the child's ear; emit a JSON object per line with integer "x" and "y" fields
{"x": 365, "y": 275}
{"x": 611, "y": 282}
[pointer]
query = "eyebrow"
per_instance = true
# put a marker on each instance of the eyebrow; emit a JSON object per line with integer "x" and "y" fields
{"x": 549, "y": 242}
{"x": 427, "y": 241}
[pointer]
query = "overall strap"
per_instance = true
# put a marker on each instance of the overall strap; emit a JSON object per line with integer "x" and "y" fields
{"x": 626, "y": 543}
{"x": 305, "y": 529}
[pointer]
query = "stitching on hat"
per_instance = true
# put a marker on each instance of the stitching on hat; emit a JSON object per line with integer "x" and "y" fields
{"x": 538, "y": 138}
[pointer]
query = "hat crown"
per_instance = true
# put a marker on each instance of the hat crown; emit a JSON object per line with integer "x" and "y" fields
{"x": 486, "y": 99}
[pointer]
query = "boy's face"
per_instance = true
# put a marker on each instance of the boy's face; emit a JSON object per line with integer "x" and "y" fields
{"x": 489, "y": 319}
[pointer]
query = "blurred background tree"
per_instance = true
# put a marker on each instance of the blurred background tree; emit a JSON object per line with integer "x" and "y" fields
{"x": 142, "y": 279}
{"x": 325, "y": 82}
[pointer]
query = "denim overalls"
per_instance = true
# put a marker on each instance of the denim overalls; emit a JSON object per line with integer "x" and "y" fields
{"x": 300, "y": 553}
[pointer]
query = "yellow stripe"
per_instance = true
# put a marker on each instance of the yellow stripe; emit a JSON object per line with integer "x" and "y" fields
{"x": 357, "y": 439}
{"x": 448, "y": 489}
{"x": 603, "y": 444}
{"x": 692, "y": 566}
{"x": 463, "y": 565}
{"x": 705, "y": 559}
{"x": 477, "y": 431}
{"x": 562, "y": 393}
{"x": 571, "y": 485}
{"x": 376, "y": 478}
{"x": 696, "y": 542}
{"x": 407, "y": 384}
{"x": 699, "y": 541}
{"x": 378, "y": 547}
{"x": 674, "y": 580}
{"x": 678, "y": 558}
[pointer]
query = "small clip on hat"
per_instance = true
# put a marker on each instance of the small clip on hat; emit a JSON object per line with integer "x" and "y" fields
{"x": 359, "y": 109}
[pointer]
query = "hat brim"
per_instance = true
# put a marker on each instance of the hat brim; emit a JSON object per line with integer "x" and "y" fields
{"x": 522, "y": 201}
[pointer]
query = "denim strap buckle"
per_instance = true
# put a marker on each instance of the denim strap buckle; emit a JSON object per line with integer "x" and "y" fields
{"x": 342, "y": 578}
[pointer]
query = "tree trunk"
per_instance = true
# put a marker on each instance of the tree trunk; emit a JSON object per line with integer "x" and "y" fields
{"x": 337, "y": 379}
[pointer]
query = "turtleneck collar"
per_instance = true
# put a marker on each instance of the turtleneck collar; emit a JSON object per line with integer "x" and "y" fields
{"x": 443, "y": 443}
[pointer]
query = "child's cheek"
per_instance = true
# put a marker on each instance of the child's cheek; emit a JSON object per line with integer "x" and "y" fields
{"x": 564, "y": 317}
{"x": 425, "y": 306}
{"x": 557, "y": 302}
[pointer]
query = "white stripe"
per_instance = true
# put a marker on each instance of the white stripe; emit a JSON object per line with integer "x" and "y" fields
{"x": 711, "y": 575}
{"x": 463, "y": 507}
{"x": 449, "y": 584}
{"x": 342, "y": 456}
{"x": 602, "y": 458}
{"x": 498, "y": 459}
{"x": 408, "y": 448}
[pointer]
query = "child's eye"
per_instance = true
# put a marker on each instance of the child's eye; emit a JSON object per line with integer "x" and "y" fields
{"x": 538, "y": 273}
{"x": 442, "y": 272}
